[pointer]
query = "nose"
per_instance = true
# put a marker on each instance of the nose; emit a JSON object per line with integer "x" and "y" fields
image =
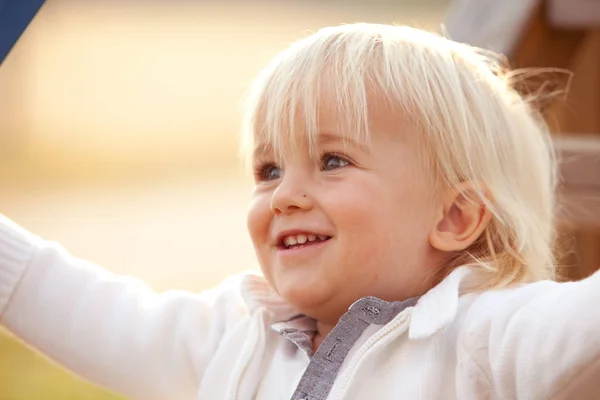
{"x": 291, "y": 194}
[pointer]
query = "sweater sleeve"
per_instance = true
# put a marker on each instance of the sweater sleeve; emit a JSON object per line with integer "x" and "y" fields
{"x": 112, "y": 330}
{"x": 543, "y": 340}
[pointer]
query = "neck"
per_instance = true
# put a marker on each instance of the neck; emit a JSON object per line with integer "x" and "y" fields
{"x": 323, "y": 329}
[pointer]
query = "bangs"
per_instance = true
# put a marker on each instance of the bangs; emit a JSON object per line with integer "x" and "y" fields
{"x": 323, "y": 70}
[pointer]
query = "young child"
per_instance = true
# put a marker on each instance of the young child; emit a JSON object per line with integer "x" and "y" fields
{"x": 403, "y": 217}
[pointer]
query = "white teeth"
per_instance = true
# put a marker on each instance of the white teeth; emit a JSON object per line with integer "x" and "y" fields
{"x": 302, "y": 239}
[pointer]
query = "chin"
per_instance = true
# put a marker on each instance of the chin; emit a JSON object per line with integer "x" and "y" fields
{"x": 302, "y": 296}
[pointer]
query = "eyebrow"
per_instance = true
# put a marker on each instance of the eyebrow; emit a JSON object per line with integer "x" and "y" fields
{"x": 328, "y": 137}
{"x": 261, "y": 149}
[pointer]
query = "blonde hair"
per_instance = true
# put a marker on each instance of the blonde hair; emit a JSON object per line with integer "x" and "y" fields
{"x": 474, "y": 125}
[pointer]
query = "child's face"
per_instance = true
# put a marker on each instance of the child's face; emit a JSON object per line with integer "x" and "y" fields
{"x": 369, "y": 202}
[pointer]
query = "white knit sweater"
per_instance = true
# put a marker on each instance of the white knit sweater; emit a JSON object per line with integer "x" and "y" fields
{"x": 538, "y": 341}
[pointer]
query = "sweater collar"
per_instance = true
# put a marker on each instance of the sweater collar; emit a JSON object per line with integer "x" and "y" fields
{"x": 434, "y": 310}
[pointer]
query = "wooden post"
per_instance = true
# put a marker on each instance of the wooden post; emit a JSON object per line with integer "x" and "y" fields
{"x": 579, "y": 204}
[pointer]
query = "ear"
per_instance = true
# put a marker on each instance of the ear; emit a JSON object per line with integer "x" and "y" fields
{"x": 462, "y": 219}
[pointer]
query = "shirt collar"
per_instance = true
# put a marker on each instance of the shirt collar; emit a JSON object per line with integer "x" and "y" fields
{"x": 300, "y": 330}
{"x": 438, "y": 307}
{"x": 258, "y": 294}
{"x": 435, "y": 310}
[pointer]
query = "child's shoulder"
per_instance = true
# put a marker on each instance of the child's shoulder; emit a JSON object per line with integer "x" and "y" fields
{"x": 519, "y": 294}
{"x": 500, "y": 306}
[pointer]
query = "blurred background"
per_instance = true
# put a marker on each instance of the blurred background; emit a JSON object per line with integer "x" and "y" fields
{"x": 119, "y": 127}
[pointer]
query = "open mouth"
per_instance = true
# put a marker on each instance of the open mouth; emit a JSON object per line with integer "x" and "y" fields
{"x": 301, "y": 240}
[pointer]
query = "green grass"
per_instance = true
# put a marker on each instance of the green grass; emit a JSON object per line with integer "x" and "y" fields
{"x": 26, "y": 375}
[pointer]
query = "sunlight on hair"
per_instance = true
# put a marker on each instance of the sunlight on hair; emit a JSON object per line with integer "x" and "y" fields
{"x": 473, "y": 126}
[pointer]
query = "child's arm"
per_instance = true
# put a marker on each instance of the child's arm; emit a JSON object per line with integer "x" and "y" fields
{"x": 543, "y": 339}
{"x": 112, "y": 330}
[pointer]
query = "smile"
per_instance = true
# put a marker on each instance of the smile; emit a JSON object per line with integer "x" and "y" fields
{"x": 300, "y": 247}
{"x": 301, "y": 240}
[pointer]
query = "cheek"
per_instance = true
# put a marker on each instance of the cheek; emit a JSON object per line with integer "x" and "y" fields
{"x": 362, "y": 220}
{"x": 357, "y": 205}
{"x": 259, "y": 221}
{"x": 379, "y": 224}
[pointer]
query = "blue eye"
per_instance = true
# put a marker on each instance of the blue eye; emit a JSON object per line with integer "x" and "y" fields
{"x": 268, "y": 172}
{"x": 330, "y": 162}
